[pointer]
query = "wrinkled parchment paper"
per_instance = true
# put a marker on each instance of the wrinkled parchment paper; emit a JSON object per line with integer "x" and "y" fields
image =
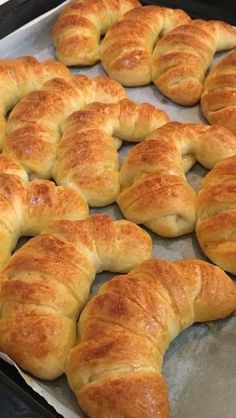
{"x": 200, "y": 365}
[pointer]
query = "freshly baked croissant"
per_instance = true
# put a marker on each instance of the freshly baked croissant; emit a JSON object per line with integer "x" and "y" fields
{"x": 26, "y": 208}
{"x": 127, "y": 47}
{"x": 87, "y": 158}
{"x": 47, "y": 281}
{"x": 124, "y": 331}
{"x": 76, "y": 34}
{"x": 33, "y": 128}
{"x": 20, "y": 76}
{"x": 155, "y": 191}
{"x": 133, "y": 54}
{"x": 182, "y": 57}
{"x": 218, "y": 100}
{"x": 216, "y": 215}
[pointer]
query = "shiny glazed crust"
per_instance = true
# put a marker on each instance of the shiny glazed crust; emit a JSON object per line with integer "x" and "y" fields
{"x": 80, "y": 150}
{"x": 87, "y": 158}
{"x": 154, "y": 190}
{"x": 124, "y": 331}
{"x": 218, "y": 101}
{"x": 128, "y": 46}
{"x": 27, "y": 207}
{"x": 216, "y": 215}
{"x": 182, "y": 57}
{"x": 47, "y": 282}
{"x": 21, "y": 76}
{"x": 133, "y": 54}
{"x": 34, "y": 126}
{"x": 77, "y": 32}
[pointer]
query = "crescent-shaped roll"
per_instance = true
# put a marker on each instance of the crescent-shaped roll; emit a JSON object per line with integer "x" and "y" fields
{"x": 79, "y": 28}
{"x": 27, "y": 208}
{"x": 46, "y": 284}
{"x": 127, "y": 47}
{"x": 124, "y": 331}
{"x": 20, "y": 76}
{"x": 182, "y": 57}
{"x": 154, "y": 190}
{"x": 216, "y": 215}
{"x": 87, "y": 158}
{"x": 33, "y": 128}
{"x": 218, "y": 100}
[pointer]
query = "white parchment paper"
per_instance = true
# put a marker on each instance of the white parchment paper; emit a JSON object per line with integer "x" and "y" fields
{"x": 200, "y": 365}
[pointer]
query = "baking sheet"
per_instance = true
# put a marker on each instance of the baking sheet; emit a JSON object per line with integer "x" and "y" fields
{"x": 200, "y": 365}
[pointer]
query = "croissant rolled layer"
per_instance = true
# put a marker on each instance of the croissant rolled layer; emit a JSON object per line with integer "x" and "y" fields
{"x": 46, "y": 284}
{"x": 124, "y": 331}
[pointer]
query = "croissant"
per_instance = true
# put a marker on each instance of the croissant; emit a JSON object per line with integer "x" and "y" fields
{"x": 128, "y": 45}
{"x": 182, "y": 57}
{"x": 20, "y": 76}
{"x": 218, "y": 101}
{"x": 26, "y": 208}
{"x": 33, "y": 128}
{"x": 216, "y": 215}
{"x": 133, "y": 54}
{"x": 76, "y": 34}
{"x": 124, "y": 331}
{"x": 87, "y": 158}
{"x": 47, "y": 281}
{"x": 154, "y": 190}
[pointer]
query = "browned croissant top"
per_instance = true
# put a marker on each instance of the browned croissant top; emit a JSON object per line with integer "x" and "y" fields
{"x": 218, "y": 100}
{"x": 26, "y": 208}
{"x": 182, "y": 57}
{"x": 33, "y": 128}
{"x": 124, "y": 331}
{"x": 77, "y": 32}
{"x": 87, "y": 159}
{"x": 177, "y": 63}
{"x": 127, "y": 48}
{"x": 20, "y": 76}
{"x": 154, "y": 190}
{"x": 80, "y": 151}
{"x": 47, "y": 281}
{"x": 216, "y": 215}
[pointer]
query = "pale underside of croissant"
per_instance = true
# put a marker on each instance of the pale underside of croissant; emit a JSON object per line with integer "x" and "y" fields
{"x": 77, "y": 33}
{"x": 218, "y": 100}
{"x": 47, "y": 282}
{"x": 81, "y": 151}
{"x": 126, "y": 51}
{"x": 21, "y": 76}
{"x": 124, "y": 331}
{"x": 216, "y": 215}
{"x": 87, "y": 158}
{"x": 177, "y": 63}
{"x": 154, "y": 190}
{"x": 27, "y": 208}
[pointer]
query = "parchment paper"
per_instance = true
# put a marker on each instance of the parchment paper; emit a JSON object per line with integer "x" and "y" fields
{"x": 200, "y": 365}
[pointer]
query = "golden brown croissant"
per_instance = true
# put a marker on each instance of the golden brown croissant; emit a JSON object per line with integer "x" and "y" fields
{"x": 20, "y": 76}
{"x": 33, "y": 128}
{"x": 124, "y": 331}
{"x": 216, "y": 215}
{"x": 26, "y": 208}
{"x": 47, "y": 281}
{"x": 182, "y": 57}
{"x": 127, "y": 47}
{"x": 155, "y": 191}
{"x": 77, "y": 32}
{"x": 218, "y": 100}
{"x": 133, "y": 54}
{"x": 87, "y": 158}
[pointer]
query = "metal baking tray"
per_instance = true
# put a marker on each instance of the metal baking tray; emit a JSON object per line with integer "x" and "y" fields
{"x": 200, "y": 366}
